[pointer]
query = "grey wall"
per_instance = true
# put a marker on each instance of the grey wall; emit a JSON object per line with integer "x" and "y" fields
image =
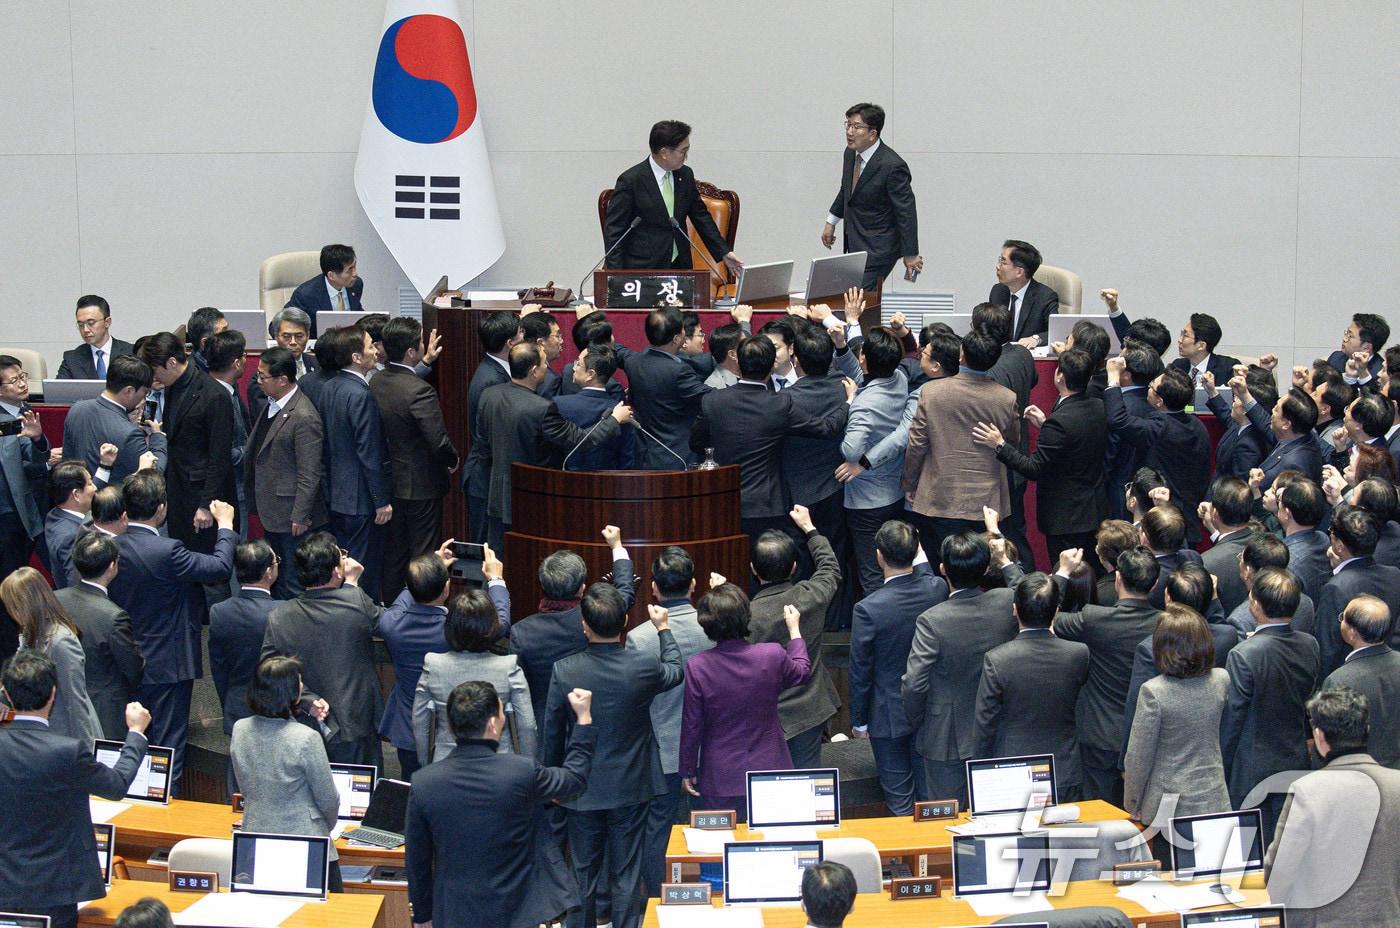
{"x": 1241, "y": 159}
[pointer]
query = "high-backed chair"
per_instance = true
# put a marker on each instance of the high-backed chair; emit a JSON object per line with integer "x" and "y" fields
{"x": 861, "y": 856}
{"x": 724, "y": 209}
{"x": 204, "y": 855}
{"x": 280, "y": 274}
{"x": 34, "y": 365}
{"x": 1091, "y": 916}
{"x": 1067, "y": 284}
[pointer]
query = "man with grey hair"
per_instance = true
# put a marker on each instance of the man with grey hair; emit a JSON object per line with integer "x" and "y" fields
{"x": 291, "y": 328}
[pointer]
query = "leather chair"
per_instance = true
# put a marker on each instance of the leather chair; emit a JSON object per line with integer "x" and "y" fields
{"x": 724, "y": 209}
{"x": 1067, "y": 284}
{"x": 119, "y": 868}
{"x": 204, "y": 855}
{"x": 34, "y": 364}
{"x": 1092, "y": 916}
{"x": 861, "y": 856}
{"x": 281, "y": 274}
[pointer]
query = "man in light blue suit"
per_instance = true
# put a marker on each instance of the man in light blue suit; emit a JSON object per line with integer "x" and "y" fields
{"x": 106, "y": 420}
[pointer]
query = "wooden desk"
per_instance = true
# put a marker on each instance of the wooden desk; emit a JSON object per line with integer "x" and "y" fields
{"x": 142, "y": 829}
{"x": 929, "y": 843}
{"x": 877, "y": 909}
{"x": 338, "y": 911}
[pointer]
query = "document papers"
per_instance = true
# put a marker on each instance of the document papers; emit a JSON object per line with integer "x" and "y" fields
{"x": 239, "y": 910}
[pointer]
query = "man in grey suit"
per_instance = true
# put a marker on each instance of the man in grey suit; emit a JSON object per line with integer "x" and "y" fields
{"x": 1030, "y": 686}
{"x": 940, "y": 682}
{"x": 672, "y": 586}
{"x": 106, "y": 420}
{"x": 112, "y": 663}
{"x": 1354, "y": 533}
{"x": 1263, "y": 551}
{"x": 1373, "y": 670}
{"x": 1333, "y": 861}
{"x": 1300, "y": 506}
{"x": 70, "y": 492}
{"x": 1226, "y": 517}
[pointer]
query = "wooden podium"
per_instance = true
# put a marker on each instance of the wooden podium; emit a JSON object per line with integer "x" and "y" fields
{"x": 554, "y": 509}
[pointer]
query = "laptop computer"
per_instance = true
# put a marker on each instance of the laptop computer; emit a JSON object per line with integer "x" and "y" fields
{"x": 767, "y": 872}
{"x": 383, "y": 824}
{"x": 762, "y": 282}
{"x": 106, "y": 837}
{"x": 72, "y": 391}
{"x": 251, "y": 322}
{"x": 1062, "y": 325}
{"x": 960, "y": 323}
{"x": 16, "y": 920}
{"x": 835, "y": 274}
{"x": 280, "y": 865}
{"x": 1001, "y": 863}
{"x": 1261, "y": 917}
{"x": 355, "y": 783}
{"x": 152, "y": 783}
{"x": 793, "y": 803}
{"x": 330, "y": 319}
{"x": 1004, "y": 790}
{"x": 1213, "y": 845}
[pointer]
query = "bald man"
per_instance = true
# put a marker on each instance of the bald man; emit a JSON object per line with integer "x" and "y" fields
{"x": 1372, "y": 668}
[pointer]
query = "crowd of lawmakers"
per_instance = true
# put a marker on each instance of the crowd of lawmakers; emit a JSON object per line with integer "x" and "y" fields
{"x": 1206, "y": 623}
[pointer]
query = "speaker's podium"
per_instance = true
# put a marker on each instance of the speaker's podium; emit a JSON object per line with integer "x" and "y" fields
{"x": 554, "y": 509}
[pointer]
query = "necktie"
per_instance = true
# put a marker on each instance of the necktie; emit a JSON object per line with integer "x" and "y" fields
{"x": 855, "y": 172}
{"x": 340, "y": 300}
{"x": 101, "y": 365}
{"x": 1014, "y": 320}
{"x": 779, "y": 383}
{"x": 668, "y": 196}
{"x": 1196, "y": 376}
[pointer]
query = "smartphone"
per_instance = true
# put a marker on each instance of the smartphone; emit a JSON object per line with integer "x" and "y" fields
{"x": 149, "y": 413}
{"x": 12, "y": 427}
{"x": 469, "y": 551}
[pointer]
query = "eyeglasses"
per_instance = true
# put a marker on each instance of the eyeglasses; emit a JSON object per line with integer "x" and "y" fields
{"x": 291, "y": 336}
{"x": 854, "y": 125}
{"x": 89, "y": 323}
{"x": 21, "y": 377}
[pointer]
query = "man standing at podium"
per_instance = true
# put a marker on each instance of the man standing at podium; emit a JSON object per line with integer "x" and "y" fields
{"x": 875, "y": 200}
{"x": 656, "y": 191}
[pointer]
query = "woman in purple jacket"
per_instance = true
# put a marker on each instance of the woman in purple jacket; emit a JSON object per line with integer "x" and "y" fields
{"x": 729, "y": 724}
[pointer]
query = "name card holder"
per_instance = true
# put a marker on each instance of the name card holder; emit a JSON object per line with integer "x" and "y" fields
{"x": 922, "y": 887}
{"x": 713, "y": 819}
{"x": 935, "y": 810}
{"x": 1128, "y": 874}
{"x": 194, "y": 881}
{"x": 685, "y": 893}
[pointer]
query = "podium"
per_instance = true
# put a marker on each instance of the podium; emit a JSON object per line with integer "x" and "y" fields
{"x": 555, "y": 509}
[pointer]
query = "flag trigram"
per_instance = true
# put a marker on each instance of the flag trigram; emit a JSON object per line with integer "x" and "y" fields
{"x": 436, "y": 197}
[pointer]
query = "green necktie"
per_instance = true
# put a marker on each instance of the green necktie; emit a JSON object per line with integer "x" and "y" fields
{"x": 668, "y": 196}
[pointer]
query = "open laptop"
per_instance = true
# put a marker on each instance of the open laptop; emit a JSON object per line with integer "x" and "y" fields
{"x": 960, "y": 323}
{"x": 767, "y": 872}
{"x": 383, "y": 824}
{"x": 15, "y": 920}
{"x": 72, "y": 391}
{"x": 152, "y": 783}
{"x": 1001, "y": 863}
{"x": 251, "y": 322}
{"x": 355, "y": 783}
{"x": 106, "y": 837}
{"x": 1214, "y": 845}
{"x": 328, "y": 319}
{"x": 1062, "y": 325}
{"x": 280, "y": 865}
{"x": 762, "y": 282}
{"x": 1263, "y": 917}
{"x": 1003, "y": 791}
{"x": 835, "y": 274}
{"x": 793, "y": 803}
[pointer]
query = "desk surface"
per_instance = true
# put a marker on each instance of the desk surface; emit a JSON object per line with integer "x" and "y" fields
{"x": 894, "y": 836}
{"x": 338, "y": 911}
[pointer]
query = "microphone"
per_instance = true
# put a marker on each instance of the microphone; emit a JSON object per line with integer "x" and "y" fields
{"x": 685, "y": 465}
{"x": 636, "y": 221}
{"x": 565, "y": 465}
{"x": 704, "y": 253}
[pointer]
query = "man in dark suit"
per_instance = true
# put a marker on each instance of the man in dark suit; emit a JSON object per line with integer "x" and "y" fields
{"x": 90, "y": 360}
{"x": 665, "y": 392}
{"x": 1068, "y": 461}
{"x": 291, "y": 329}
{"x": 112, "y": 663}
{"x": 237, "y": 627}
{"x": 1030, "y": 686}
{"x": 284, "y": 465}
{"x": 1264, "y": 730}
{"x": 1163, "y": 531}
{"x": 70, "y": 492}
{"x": 24, "y": 459}
{"x": 1124, "y": 458}
{"x": 876, "y": 200}
{"x": 1029, "y": 301}
{"x": 420, "y": 453}
{"x": 939, "y": 687}
{"x": 592, "y": 373}
{"x": 226, "y": 354}
{"x": 1366, "y": 335}
{"x": 610, "y": 816}
{"x": 47, "y": 848}
{"x": 652, "y": 200}
{"x": 498, "y": 332}
{"x": 1353, "y": 534}
{"x": 1226, "y": 517}
{"x": 1242, "y": 446}
{"x": 331, "y": 627}
{"x": 337, "y": 288}
{"x": 520, "y": 426}
{"x": 1373, "y": 670}
{"x": 542, "y": 329}
{"x": 198, "y": 427}
{"x": 1196, "y": 346}
{"x": 355, "y": 457}
{"x": 882, "y": 631}
{"x": 1287, "y": 430}
{"x": 157, "y": 583}
{"x": 1260, "y": 551}
{"x": 1015, "y": 370}
{"x": 1300, "y": 506}
{"x": 476, "y": 853}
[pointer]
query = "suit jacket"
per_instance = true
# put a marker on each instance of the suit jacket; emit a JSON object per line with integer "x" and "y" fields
{"x": 747, "y": 425}
{"x": 1124, "y": 457}
{"x": 433, "y": 737}
{"x": 1388, "y": 545}
{"x": 1222, "y": 560}
{"x": 1026, "y": 700}
{"x": 357, "y": 475}
{"x": 112, "y": 662}
{"x": 78, "y": 363}
{"x": 811, "y": 703}
{"x": 627, "y": 769}
{"x": 157, "y": 583}
{"x": 48, "y": 855}
{"x": 586, "y": 409}
{"x": 236, "y": 630}
{"x": 1315, "y": 866}
{"x": 1307, "y": 559}
{"x": 1301, "y": 453}
{"x": 241, "y": 427}
{"x": 1176, "y": 444}
{"x": 61, "y": 530}
{"x": 1175, "y": 747}
{"x": 1359, "y": 576}
{"x": 1241, "y": 447}
{"x": 1166, "y": 563}
{"x": 257, "y": 400}
{"x": 1041, "y": 302}
{"x": 665, "y": 395}
{"x": 1265, "y": 727}
{"x": 809, "y": 462}
{"x": 940, "y": 681}
{"x": 92, "y": 423}
{"x": 73, "y": 714}
{"x": 882, "y": 632}
{"x": 411, "y": 631}
{"x": 1220, "y": 366}
{"x": 666, "y": 707}
{"x": 285, "y": 778}
{"x": 476, "y": 473}
{"x": 1304, "y": 618}
{"x": 420, "y": 453}
{"x": 636, "y": 195}
{"x": 477, "y": 850}
{"x": 1112, "y": 633}
{"x": 1067, "y": 466}
{"x": 879, "y": 414}
{"x": 1374, "y": 672}
{"x": 1015, "y": 370}
{"x": 199, "y": 433}
{"x": 313, "y": 297}
{"x": 285, "y": 470}
{"x": 1145, "y": 668}
{"x": 332, "y": 631}
{"x": 946, "y": 475}
{"x": 880, "y": 215}
{"x": 520, "y": 426}
{"x": 24, "y": 470}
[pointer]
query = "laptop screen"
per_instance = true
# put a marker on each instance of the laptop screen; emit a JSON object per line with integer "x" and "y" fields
{"x": 1236, "y": 918}
{"x": 1001, "y": 785}
{"x": 388, "y": 806}
{"x": 106, "y": 838}
{"x": 1000, "y": 864}
{"x": 767, "y": 871}
{"x": 152, "y": 783}
{"x": 355, "y": 783}
{"x": 282, "y": 865}
{"x": 794, "y": 797}
{"x": 1230, "y": 842}
{"x": 15, "y": 920}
